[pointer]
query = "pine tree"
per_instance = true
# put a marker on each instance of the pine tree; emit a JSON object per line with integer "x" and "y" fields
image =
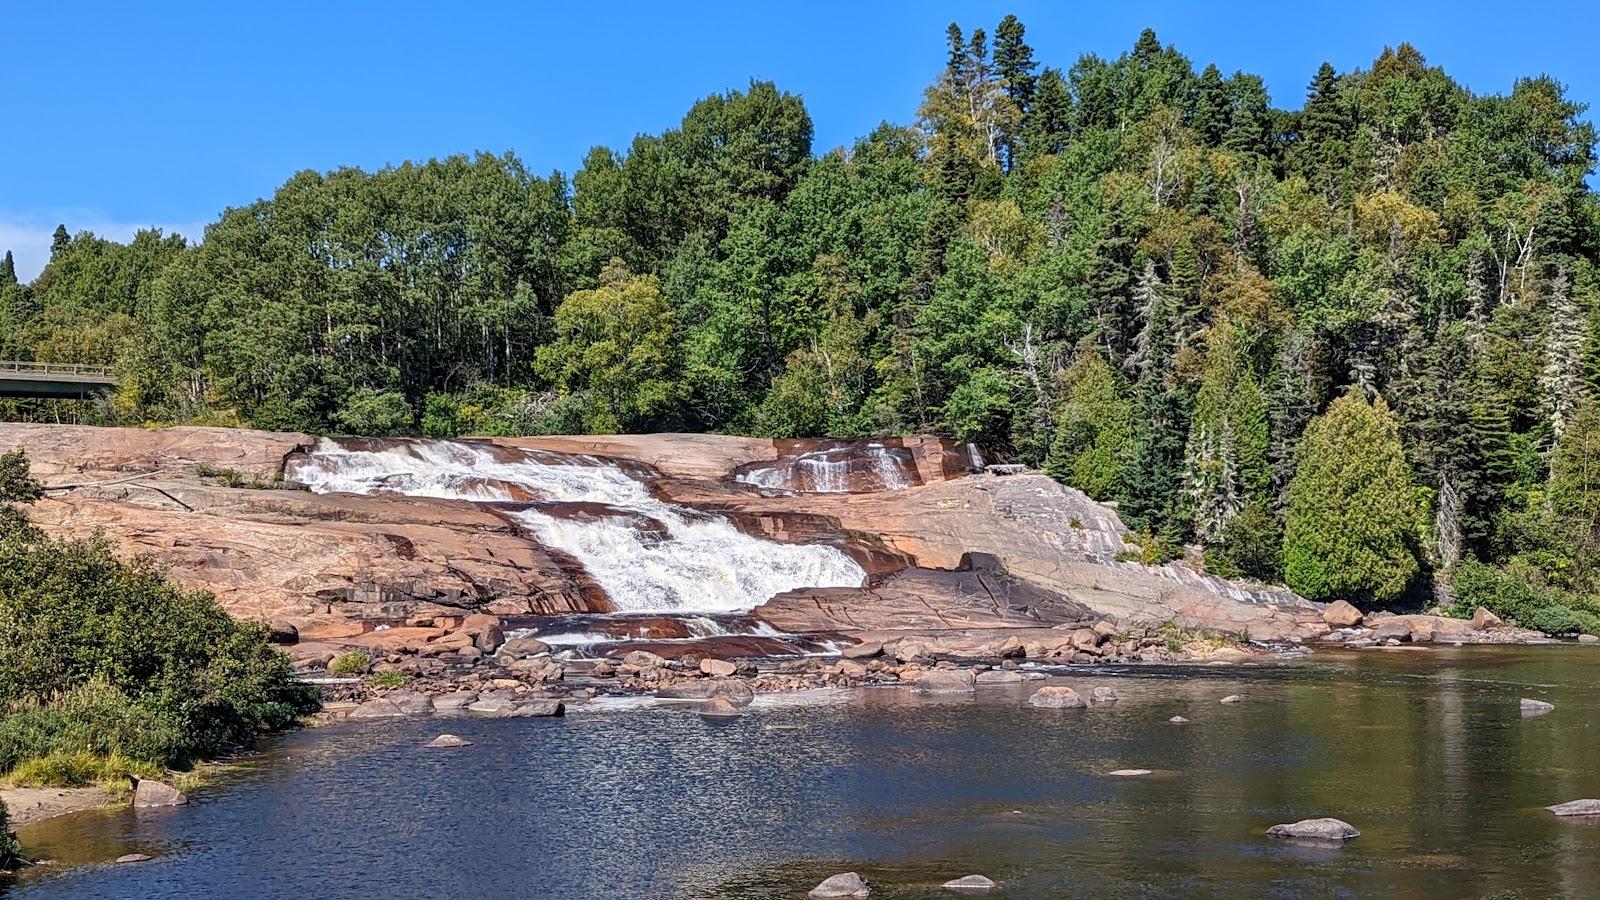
{"x": 1150, "y": 312}
{"x": 1013, "y": 63}
{"x": 1352, "y": 516}
{"x": 1151, "y": 499}
{"x": 8, "y": 270}
{"x": 59, "y": 241}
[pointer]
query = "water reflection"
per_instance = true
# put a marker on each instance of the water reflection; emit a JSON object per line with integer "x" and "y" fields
{"x": 1426, "y": 754}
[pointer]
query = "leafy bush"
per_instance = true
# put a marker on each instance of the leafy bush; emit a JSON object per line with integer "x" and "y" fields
{"x": 352, "y": 662}
{"x": 10, "y": 851}
{"x": 388, "y": 678}
{"x": 375, "y": 413}
{"x": 104, "y": 657}
{"x": 1519, "y": 593}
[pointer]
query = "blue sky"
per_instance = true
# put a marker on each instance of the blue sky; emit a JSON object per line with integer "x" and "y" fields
{"x": 122, "y": 115}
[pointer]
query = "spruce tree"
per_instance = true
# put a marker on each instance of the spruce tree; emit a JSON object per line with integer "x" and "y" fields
{"x": 1094, "y": 427}
{"x": 59, "y": 241}
{"x": 1048, "y": 124}
{"x": 1013, "y": 66}
{"x": 1210, "y": 116}
{"x": 8, "y": 270}
{"x": 1226, "y": 459}
{"x": 1352, "y": 517}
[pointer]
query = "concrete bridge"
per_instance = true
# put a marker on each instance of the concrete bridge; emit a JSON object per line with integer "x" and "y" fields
{"x": 54, "y": 381}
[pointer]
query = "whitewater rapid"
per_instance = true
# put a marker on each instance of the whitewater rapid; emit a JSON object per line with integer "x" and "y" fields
{"x": 702, "y": 564}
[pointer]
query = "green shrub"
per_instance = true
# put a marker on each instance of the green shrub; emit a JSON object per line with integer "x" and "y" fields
{"x": 103, "y": 657}
{"x": 352, "y": 662}
{"x": 389, "y": 678}
{"x": 10, "y": 851}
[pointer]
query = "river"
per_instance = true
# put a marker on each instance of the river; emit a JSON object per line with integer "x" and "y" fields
{"x": 1424, "y": 751}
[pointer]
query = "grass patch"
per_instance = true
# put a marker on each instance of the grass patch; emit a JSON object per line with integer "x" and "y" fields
{"x": 234, "y": 478}
{"x": 352, "y": 662}
{"x": 388, "y": 678}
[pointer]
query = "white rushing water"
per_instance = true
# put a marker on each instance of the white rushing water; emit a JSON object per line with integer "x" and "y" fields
{"x": 828, "y": 470}
{"x": 704, "y": 564}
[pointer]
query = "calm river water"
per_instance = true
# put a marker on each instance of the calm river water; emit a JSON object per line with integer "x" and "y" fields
{"x": 1425, "y": 752}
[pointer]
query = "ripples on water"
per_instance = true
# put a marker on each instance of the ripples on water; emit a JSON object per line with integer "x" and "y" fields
{"x": 1425, "y": 753}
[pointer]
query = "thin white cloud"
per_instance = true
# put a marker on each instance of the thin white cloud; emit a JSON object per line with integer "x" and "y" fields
{"x": 28, "y": 236}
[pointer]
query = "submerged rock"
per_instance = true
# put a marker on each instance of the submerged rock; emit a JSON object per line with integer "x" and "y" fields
{"x": 1103, "y": 695}
{"x": 1178, "y": 720}
{"x": 719, "y": 708}
{"x": 1531, "y": 708}
{"x": 969, "y": 883}
{"x": 845, "y": 884}
{"x": 149, "y": 794}
{"x": 132, "y": 858}
{"x": 1053, "y": 696}
{"x": 999, "y": 676}
{"x": 1130, "y": 773}
{"x": 1576, "y": 808}
{"x": 1325, "y": 829}
{"x": 448, "y": 740}
{"x": 1232, "y": 698}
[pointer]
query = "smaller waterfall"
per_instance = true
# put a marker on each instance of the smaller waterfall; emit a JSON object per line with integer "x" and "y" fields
{"x": 838, "y": 469}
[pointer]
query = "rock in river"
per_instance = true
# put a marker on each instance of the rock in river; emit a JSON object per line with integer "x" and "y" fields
{"x": 457, "y": 701}
{"x": 1102, "y": 695}
{"x": 132, "y": 858}
{"x": 377, "y": 709}
{"x": 1330, "y": 830}
{"x": 999, "y": 676}
{"x": 1531, "y": 708}
{"x": 1130, "y": 773}
{"x": 149, "y": 794}
{"x": 1232, "y": 698}
{"x": 947, "y": 681}
{"x": 1178, "y": 720}
{"x": 1576, "y": 808}
{"x": 448, "y": 740}
{"x": 969, "y": 884}
{"x": 731, "y": 689}
{"x": 538, "y": 709}
{"x": 845, "y": 884}
{"x": 1056, "y": 697}
{"x": 719, "y": 668}
{"x": 718, "y": 708}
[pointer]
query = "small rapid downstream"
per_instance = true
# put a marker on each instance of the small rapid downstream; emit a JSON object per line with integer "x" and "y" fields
{"x": 648, "y": 555}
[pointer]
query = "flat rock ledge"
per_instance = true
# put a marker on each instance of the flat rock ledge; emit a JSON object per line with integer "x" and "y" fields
{"x": 844, "y": 884}
{"x": 1576, "y": 808}
{"x": 1323, "y": 830}
{"x": 972, "y": 884}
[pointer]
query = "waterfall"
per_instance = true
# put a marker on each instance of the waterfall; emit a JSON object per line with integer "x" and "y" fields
{"x": 837, "y": 469}
{"x": 702, "y": 563}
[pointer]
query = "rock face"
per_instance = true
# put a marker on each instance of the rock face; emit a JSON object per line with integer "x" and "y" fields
{"x": 206, "y": 504}
{"x": 845, "y": 884}
{"x": 1056, "y": 697}
{"x": 1576, "y": 808}
{"x": 1326, "y": 830}
{"x": 153, "y": 794}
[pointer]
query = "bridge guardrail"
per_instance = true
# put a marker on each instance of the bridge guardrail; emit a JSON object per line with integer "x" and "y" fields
{"x": 43, "y": 368}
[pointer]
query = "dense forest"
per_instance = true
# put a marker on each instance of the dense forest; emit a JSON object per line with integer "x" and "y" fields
{"x": 1355, "y": 346}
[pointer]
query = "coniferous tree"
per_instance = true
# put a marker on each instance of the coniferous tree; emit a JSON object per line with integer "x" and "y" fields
{"x": 1048, "y": 125}
{"x": 8, "y": 270}
{"x": 1210, "y": 116}
{"x": 59, "y": 241}
{"x": 1352, "y": 518}
{"x": 1094, "y": 427}
{"x": 1013, "y": 66}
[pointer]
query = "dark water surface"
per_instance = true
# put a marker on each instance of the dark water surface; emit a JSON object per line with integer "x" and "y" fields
{"x": 1425, "y": 752}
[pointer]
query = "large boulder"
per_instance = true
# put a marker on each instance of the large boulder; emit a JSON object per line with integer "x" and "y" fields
{"x": 718, "y": 668}
{"x": 1531, "y": 708}
{"x": 537, "y": 709}
{"x": 1340, "y": 614}
{"x": 946, "y": 681}
{"x": 149, "y": 794}
{"x": 999, "y": 676}
{"x": 1056, "y": 697}
{"x": 523, "y": 647}
{"x": 1328, "y": 830}
{"x": 1483, "y": 619}
{"x": 718, "y": 708}
{"x": 845, "y": 884}
{"x": 409, "y": 703}
{"x": 454, "y": 702}
{"x": 863, "y": 650}
{"x": 1103, "y": 695}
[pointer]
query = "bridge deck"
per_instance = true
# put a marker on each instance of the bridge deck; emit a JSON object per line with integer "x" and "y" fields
{"x": 54, "y": 380}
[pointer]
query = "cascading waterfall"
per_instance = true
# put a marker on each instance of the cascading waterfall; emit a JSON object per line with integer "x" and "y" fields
{"x": 838, "y": 470}
{"x": 702, "y": 564}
